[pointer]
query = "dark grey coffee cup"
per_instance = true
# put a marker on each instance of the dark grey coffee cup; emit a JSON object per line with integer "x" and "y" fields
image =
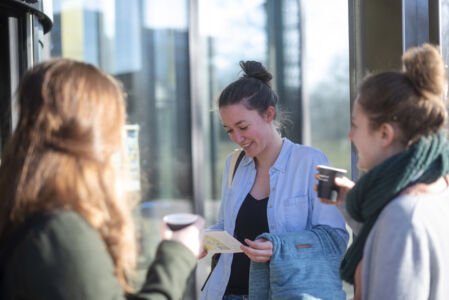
{"x": 179, "y": 221}
{"x": 326, "y": 178}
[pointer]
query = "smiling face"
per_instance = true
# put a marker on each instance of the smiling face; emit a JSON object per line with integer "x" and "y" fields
{"x": 367, "y": 140}
{"x": 247, "y": 128}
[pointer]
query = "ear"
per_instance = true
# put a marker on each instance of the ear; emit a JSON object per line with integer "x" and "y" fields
{"x": 269, "y": 114}
{"x": 388, "y": 134}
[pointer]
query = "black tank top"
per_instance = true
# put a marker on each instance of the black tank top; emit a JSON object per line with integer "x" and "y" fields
{"x": 251, "y": 221}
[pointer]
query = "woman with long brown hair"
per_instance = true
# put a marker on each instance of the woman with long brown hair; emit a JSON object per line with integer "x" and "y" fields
{"x": 66, "y": 230}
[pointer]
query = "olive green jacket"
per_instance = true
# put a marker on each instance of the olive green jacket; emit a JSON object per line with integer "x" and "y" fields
{"x": 65, "y": 258}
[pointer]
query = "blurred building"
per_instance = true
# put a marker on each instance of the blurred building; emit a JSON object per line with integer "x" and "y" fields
{"x": 175, "y": 56}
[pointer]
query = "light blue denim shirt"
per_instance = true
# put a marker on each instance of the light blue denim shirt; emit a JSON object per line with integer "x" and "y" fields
{"x": 292, "y": 200}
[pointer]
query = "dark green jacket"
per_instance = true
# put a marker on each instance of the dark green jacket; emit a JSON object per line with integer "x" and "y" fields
{"x": 65, "y": 258}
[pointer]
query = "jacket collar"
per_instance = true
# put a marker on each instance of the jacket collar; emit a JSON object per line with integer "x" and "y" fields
{"x": 281, "y": 162}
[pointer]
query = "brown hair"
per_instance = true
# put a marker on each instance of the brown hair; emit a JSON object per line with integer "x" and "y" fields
{"x": 411, "y": 99}
{"x": 61, "y": 155}
{"x": 253, "y": 90}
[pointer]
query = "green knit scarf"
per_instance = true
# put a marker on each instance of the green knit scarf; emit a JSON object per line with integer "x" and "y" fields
{"x": 424, "y": 162}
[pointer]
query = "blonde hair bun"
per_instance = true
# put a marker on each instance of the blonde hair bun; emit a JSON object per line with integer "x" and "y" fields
{"x": 424, "y": 66}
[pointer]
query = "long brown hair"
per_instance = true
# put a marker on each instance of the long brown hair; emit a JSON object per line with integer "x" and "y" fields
{"x": 412, "y": 99}
{"x": 61, "y": 155}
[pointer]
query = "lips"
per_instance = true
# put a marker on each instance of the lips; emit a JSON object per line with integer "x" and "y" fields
{"x": 244, "y": 146}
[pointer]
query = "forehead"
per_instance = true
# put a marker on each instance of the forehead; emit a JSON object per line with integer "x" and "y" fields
{"x": 234, "y": 113}
{"x": 357, "y": 110}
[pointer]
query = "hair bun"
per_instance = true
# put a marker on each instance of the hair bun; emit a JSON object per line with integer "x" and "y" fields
{"x": 256, "y": 70}
{"x": 424, "y": 66}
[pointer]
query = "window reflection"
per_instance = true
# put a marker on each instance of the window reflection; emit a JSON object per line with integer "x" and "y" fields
{"x": 444, "y": 33}
{"x": 326, "y": 78}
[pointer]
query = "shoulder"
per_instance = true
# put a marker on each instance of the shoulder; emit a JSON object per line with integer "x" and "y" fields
{"x": 401, "y": 211}
{"x": 63, "y": 227}
{"x": 408, "y": 209}
{"x": 62, "y": 250}
{"x": 298, "y": 151}
{"x": 411, "y": 216}
{"x": 62, "y": 235}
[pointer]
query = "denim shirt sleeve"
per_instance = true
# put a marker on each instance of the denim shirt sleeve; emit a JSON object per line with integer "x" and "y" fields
{"x": 224, "y": 188}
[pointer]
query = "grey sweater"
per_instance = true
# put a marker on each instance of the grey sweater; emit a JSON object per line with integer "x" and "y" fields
{"x": 406, "y": 255}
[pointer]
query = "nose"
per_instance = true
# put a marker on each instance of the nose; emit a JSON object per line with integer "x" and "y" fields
{"x": 237, "y": 138}
{"x": 349, "y": 136}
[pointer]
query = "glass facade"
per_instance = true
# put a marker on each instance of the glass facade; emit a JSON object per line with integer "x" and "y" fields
{"x": 444, "y": 33}
{"x": 326, "y": 79}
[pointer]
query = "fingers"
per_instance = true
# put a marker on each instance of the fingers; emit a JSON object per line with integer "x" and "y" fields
{"x": 190, "y": 236}
{"x": 166, "y": 233}
{"x": 203, "y": 254}
{"x": 327, "y": 201}
{"x": 344, "y": 182}
{"x": 259, "y": 250}
{"x": 257, "y": 255}
{"x": 262, "y": 244}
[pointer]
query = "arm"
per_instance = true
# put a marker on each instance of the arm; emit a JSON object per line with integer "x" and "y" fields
{"x": 224, "y": 189}
{"x": 344, "y": 185}
{"x": 68, "y": 260}
{"x": 167, "y": 276}
{"x": 322, "y": 214}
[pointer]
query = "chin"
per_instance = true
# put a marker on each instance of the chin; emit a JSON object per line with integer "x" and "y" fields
{"x": 361, "y": 167}
{"x": 249, "y": 154}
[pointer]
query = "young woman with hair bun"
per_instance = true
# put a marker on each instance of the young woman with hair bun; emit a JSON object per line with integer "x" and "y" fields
{"x": 271, "y": 194}
{"x": 402, "y": 201}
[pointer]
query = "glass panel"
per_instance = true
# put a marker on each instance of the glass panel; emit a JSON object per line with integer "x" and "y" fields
{"x": 326, "y": 83}
{"x": 143, "y": 43}
{"x": 326, "y": 78}
{"x": 223, "y": 25}
{"x": 444, "y": 33}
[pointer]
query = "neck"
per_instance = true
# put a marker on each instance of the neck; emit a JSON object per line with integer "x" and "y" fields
{"x": 267, "y": 158}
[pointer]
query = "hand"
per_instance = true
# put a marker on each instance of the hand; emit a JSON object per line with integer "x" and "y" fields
{"x": 191, "y": 236}
{"x": 203, "y": 254}
{"x": 259, "y": 250}
{"x": 344, "y": 184}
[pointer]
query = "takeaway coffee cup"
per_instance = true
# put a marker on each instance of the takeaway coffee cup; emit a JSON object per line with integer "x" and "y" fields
{"x": 326, "y": 186}
{"x": 179, "y": 221}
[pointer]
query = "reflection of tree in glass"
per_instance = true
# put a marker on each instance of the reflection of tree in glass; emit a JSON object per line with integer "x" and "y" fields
{"x": 330, "y": 113}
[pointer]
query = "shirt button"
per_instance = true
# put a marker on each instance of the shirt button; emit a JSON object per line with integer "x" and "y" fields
{"x": 272, "y": 227}
{"x": 270, "y": 206}
{"x": 273, "y": 189}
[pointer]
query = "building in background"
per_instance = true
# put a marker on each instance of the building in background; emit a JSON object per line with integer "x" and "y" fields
{"x": 175, "y": 56}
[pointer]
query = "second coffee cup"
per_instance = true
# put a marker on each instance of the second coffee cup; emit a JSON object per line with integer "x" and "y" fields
{"x": 179, "y": 221}
{"x": 326, "y": 178}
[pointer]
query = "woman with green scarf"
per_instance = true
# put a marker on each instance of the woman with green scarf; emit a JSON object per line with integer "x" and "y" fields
{"x": 402, "y": 201}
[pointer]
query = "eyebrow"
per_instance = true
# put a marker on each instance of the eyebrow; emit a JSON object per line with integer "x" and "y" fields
{"x": 236, "y": 124}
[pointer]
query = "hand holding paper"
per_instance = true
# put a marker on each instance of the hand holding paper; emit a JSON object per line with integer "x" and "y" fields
{"x": 221, "y": 242}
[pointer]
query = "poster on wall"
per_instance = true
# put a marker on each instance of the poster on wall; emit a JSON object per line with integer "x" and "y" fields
{"x": 132, "y": 160}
